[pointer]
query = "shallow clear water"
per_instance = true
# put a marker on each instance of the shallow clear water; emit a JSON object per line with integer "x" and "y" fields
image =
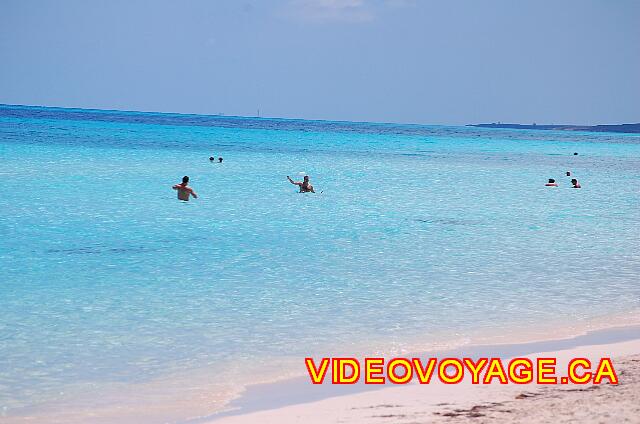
{"x": 421, "y": 235}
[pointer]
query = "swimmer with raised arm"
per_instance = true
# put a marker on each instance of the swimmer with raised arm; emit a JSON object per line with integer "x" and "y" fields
{"x": 305, "y": 187}
{"x": 184, "y": 191}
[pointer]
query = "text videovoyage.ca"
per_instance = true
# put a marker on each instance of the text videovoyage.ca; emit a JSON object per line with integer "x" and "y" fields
{"x": 456, "y": 370}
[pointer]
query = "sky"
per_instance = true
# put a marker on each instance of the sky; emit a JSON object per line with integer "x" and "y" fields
{"x": 411, "y": 61}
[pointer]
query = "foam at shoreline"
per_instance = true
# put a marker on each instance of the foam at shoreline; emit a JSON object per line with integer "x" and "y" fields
{"x": 298, "y": 390}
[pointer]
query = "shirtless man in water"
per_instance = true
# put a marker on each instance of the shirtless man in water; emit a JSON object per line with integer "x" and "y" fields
{"x": 184, "y": 191}
{"x": 305, "y": 187}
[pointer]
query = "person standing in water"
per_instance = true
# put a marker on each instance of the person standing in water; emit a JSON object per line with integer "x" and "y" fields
{"x": 305, "y": 187}
{"x": 551, "y": 183}
{"x": 575, "y": 183}
{"x": 184, "y": 191}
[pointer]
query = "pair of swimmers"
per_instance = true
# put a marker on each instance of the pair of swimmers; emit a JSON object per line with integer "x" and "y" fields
{"x": 185, "y": 192}
{"x": 574, "y": 182}
{"x": 212, "y": 159}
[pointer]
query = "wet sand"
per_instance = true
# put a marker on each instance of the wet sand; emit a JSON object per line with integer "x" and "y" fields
{"x": 440, "y": 403}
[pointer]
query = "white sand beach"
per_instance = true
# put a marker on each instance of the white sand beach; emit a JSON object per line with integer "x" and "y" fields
{"x": 440, "y": 403}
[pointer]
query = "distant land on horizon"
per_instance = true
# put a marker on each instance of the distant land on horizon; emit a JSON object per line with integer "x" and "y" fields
{"x": 623, "y": 128}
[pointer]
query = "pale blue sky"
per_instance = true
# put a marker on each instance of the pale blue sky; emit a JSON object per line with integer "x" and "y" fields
{"x": 440, "y": 62}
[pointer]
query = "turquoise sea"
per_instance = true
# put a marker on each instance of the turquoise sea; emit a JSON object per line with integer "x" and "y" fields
{"x": 117, "y": 299}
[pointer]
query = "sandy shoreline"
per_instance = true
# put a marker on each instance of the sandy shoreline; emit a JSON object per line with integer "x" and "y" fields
{"x": 299, "y": 401}
{"x": 296, "y": 400}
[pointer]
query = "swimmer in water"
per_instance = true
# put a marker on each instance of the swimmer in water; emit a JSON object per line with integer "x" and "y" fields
{"x": 184, "y": 191}
{"x": 568, "y": 173}
{"x": 551, "y": 183}
{"x": 305, "y": 187}
{"x": 219, "y": 160}
{"x": 575, "y": 183}
{"x": 211, "y": 159}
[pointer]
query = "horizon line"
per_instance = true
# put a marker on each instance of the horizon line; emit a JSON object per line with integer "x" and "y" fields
{"x": 304, "y": 119}
{"x": 234, "y": 116}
